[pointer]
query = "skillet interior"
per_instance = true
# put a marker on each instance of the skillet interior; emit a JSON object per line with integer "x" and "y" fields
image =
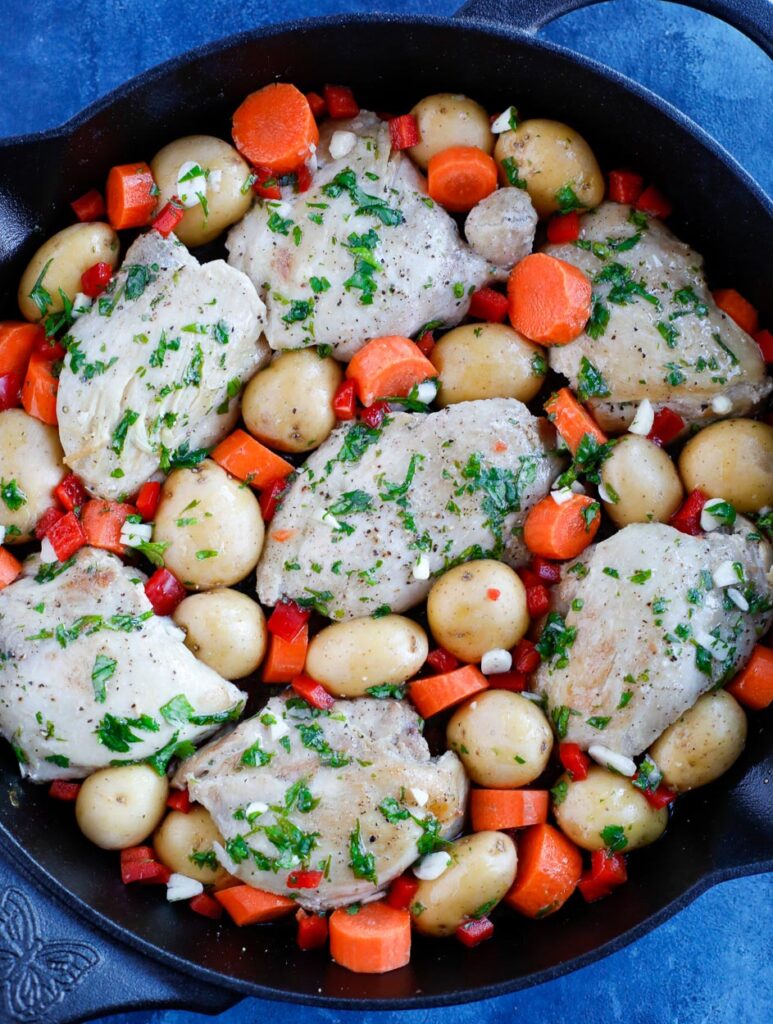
{"x": 724, "y": 830}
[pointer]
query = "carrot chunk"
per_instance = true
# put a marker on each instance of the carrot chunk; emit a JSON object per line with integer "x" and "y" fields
{"x": 459, "y": 177}
{"x": 253, "y": 906}
{"x": 737, "y": 308}
{"x": 436, "y": 693}
{"x": 38, "y": 393}
{"x": 497, "y": 809}
{"x": 131, "y": 195}
{"x": 285, "y": 659}
{"x": 753, "y": 686}
{"x": 10, "y": 567}
{"x": 571, "y": 421}
{"x": 549, "y": 299}
{"x": 388, "y": 368}
{"x": 17, "y": 342}
{"x": 549, "y": 868}
{"x": 562, "y": 531}
{"x": 249, "y": 460}
{"x": 102, "y": 522}
{"x": 374, "y": 940}
{"x": 275, "y": 128}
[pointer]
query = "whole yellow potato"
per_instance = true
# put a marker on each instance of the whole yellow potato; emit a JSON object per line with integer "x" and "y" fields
{"x": 119, "y": 807}
{"x": 183, "y": 842}
{"x": 606, "y": 809}
{"x": 60, "y": 262}
{"x": 448, "y": 119}
{"x": 502, "y": 739}
{"x": 225, "y": 629}
{"x": 703, "y": 744}
{"x": 223, "y": 184}
{"x": 481, "y": 871}
{"x": 477, "y": 607}
{"x": 733, "y": 460}
{"x": 550, "y": 156}
{"x": 31, "y": 466}
{"x": 641, "y": 482}
{"x": 289, "y": 405}
{"x": 212, "y": 525}
{"x": 349, "y": 658}
{"x": 487, "y": 361}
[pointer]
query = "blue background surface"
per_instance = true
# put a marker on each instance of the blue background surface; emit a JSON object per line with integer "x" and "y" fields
{"x": 712, "y": 962}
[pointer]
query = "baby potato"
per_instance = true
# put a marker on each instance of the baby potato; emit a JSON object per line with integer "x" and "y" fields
{"x": 350, "y": 657}
{"x": 180, "y": 837}
{"x": 225, "y": 629}
{"x": 549, "y": 156}
{"x": 119, "y": 807}
{"x": 289, "y": 405}
{"x": 226, "y": 173}
{"x": 733, "y": 460}
{"x": 642, "y": 481}
{"x": 597, "y": 807}
{"x": 26, "y": 483}
{"x": 477, "y": 607}
{"x": 448, "y": 119}
{"x": 481, "y": 872}
{"x": 487, "y": 361}
{"x": 60, "y": 262}
{"x": 502, "y": 739}
{"x": 212, "y": 525}
{"x": 703, "y": 744}
{"x": 501, "y": 227}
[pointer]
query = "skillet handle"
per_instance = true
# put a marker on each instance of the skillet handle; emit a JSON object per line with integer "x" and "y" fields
{"x": 752, "y": 17}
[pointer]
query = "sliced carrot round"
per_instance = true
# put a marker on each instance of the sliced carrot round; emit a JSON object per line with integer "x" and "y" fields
{"x": 549, "y": 868}
{"x": 549, "y": 300}
{"x": 371, "y": 940}
{"x": 388, "y": 367}
{"x": 497, "y": 809}
{"x": 561, "y": 531}
{"x": 275, "y": 128}
{"x": 459, "y": 177}
{"x": 436, "y": 693}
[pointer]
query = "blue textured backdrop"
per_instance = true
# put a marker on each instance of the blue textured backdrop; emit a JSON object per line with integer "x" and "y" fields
{"x": 712, "y": 962}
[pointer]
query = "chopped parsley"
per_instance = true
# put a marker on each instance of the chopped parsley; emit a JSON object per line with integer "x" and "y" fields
{"x": 118, "y": 441}
{"x": 363, "y": 864}
{"x": 614, "y": 838}
{"x": 13, "y": 496}
{"x": 103, "y": 670}
{"x": 590, "y": 381}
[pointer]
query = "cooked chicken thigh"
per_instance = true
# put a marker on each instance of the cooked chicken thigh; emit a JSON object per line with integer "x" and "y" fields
{"x": 352, "y": 793}
{"x": 155, "y": 367}
{"x": 365, "y": 252}
{"x": 90, "y": 676}
{"x": 650, "y": 631}
{"x": 374, "y": 514}
{"x": 665, "y": 340}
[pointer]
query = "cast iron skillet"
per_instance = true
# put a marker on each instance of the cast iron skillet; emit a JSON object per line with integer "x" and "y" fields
{"x": 488, "y": 51}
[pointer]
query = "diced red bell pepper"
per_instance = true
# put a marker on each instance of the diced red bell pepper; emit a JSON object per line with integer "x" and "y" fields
{"x": 537, "y": 600}
{"x": 63, "y": 789}
{"x": 287, "y": 620}
{"x": 426, "y": 343}
{"x": 575, "y": 760}
{"x": 179, "y": 800}
{"x": 70, "y": 493}
{"x": 89, "y": 207}
{"x": 666, "y": 426}
{"x": 606, "y": 873}
{"x": 442, "y": 660}
{"x": 687, "y": 519}
{"x": 564, "y": 227}
{"x": 271, "y": 497}
{"x": 265, "y": 185}
{"x": 344, "y": 401}
{"x": 148, "y": 499}
{"x": 303, "y": 178}
{"x": 312, "y": 930}
{"x": 317, "y": 104}
{"x": 374, "y": 415}
{"x": 170, "y": 216}
{"x": 340, "y": 101}
{"x": 313, "y": 693}
{"x": 103, "y": 522}
{"x": 50, "y": 516}
{"x": 493, "y": 594}
{"x": 404, "y": 131}
{"x": 765, "y": 340}
{"x": 96, "y": 279}
{"x": 526, "y": 657}
{"x": 653, "y": 201}
{"x": 625, "y": 187}
{"x": 207, "y": 906}
{"x": 10, "y": 390}
{"x": 472, "y": 933}
{"x": 548, "y": 572}
{"x": 164, "y": 591}
{"x": 490, "y": 305}
{"x": 402, "y": 891}
{"x": 49, "y": 347}
{"x": 660, "y": 797}
{"x": 528, "y": 577}
{"x": 135, "y": 853}
{"x": 138, "y": 864}
{"x": 66, "y": 536}
{"x": 304, "y": 879}
{"x": 513, "y": 681}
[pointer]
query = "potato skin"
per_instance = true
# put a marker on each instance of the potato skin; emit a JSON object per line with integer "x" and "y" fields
{"x": 226, "y": 519}
{"x": 71, "y": 251}
{"x": 22, "y": 436}
{"x": 480, "y": 874}
{"x": 645, "y": 481}
{"x": 179, "y": 835}
{"x": 502, "y": 739}
{"x": 225, "y": 204}
{"x": 448, "y": 119}
{"x": 549, "y": 155}
{"x": 703, "y": 744}
{"x": 119, "y": 807}
{"x": 604, "y": 799}
{"x": 289, "y": 404}
{"x": 349, "y": 657}
{"x": 466, "y": 620}
{"x": 225, "y": 629}
{"x": 733, "y": 460}
{"x": 487, "y": 361}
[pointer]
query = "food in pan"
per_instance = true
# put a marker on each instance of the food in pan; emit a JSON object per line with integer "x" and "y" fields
{"x": 408, "y": 561}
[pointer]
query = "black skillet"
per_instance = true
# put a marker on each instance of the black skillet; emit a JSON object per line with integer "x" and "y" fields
{"x": 126, "y": 948}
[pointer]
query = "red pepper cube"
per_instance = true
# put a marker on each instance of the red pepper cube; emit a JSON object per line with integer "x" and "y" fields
{"x": 340, "y": 101}
{"x": 490, "y": 305}
{"x": 513, "y": 681}
{"x": 10, "y": 390}
{"x": 66, "y": 536}
{"x": 313, "y": 693}
{"x": 687, "y": 519}
{"x": 265, "y": 184}
{"x": 179, "y": 800}
{"x": 660, "y": 797}
{"x": 62, "y": 789}
{"x": 528, "y": 577}
{"x": 304, "y": 879}
{"x": 442, "y": 660}
{"x": 374, "y": 415}
{"x": 164, "y": 591}
{"x": 89, "y": 207}
{"x": 607, "y": 872}
{"x": 47, "y": 520}
{"x": 70, "y": 493}
{"x": 526, "y": 657}
{"x": 426, "y": 343}
{"x": 138, "y": 864}
{"x": 472, "y": 933}
{"x": 404, "y": 132}
{"x": 312, "y": 930}
{"x": 537, "y": 600}
{"x": 653, "y": 201}
{"x": 317, "y": 104}
{"x": 134, "y": 853}
{"x": 96, "y": 279}
{"x": 625, "y": 187}
{"x": 169, "y": 217}
{"x": 344, "y": 401}
{"x": 547, "y": 572}
{"x": 205, "y": 905}
{"x": 271, "y": 497}
{"x": 667, "y": 425}
{"x": 765, "y": 340}
{"x": 148, "y": 499}
{"x": 575, "y": 760}
{"x": 493, "y": 594}
{"x": 564, "y": 227}
{"x": 287, "y": 620}
{"x": 402, "y": 891}
{"x": 303, "y": 178}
